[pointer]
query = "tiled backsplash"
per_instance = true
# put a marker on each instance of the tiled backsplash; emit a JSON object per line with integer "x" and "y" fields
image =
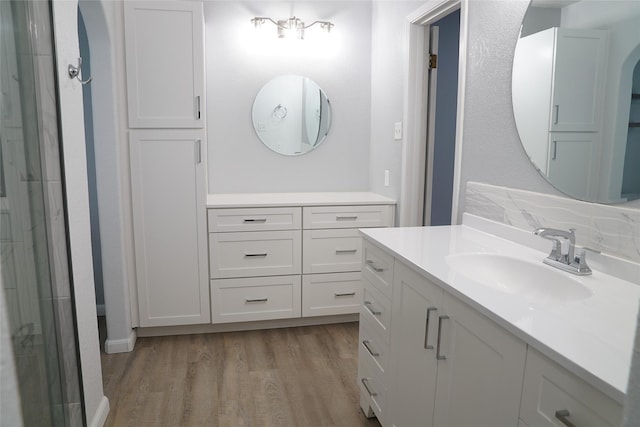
{"x": 611, "y": 229}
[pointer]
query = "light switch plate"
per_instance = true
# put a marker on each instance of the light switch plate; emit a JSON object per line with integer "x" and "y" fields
{"x": 397, "y": 131}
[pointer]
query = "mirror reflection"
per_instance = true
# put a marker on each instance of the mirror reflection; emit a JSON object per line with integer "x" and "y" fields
{"x": 291, "y": 115}
{"x": 576, "y": 96}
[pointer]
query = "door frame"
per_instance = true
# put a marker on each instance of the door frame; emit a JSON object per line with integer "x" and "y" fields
{"x": 415, "y": 109}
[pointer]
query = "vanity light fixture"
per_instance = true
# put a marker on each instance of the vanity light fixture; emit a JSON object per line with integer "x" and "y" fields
{"x": 292, "y": 27}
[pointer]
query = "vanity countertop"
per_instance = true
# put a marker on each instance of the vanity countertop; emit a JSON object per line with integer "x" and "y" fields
{"x": 592, "y": 337}
{"x": 245, "y": 200}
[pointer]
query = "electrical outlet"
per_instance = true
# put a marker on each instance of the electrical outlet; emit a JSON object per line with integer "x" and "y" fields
{"x": 397, "y": 131}
{"x": 386, "y": 177}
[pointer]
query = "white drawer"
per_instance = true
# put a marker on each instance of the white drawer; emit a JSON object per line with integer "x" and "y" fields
{"x": 254, "y": 253}
{"x": 377, "y": 267}
{"x": 259, "y": 298}
{"x": 347, "y": 216}
{"x": 549, "y": 388}
{"x": 254, "y": 219}
{"x": 372, "y": 388}
{"x": 376, "y": 310}
{"x": 329, "y": 294}
{"x": 327, "y": 251}
{"x": 371, "y": 345}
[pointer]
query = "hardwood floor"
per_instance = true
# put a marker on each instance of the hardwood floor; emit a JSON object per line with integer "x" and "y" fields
{"x": 280, "y": 377}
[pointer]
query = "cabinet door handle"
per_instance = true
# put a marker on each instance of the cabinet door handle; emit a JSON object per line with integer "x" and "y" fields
{"x": 346, "y": 251}
{"x": 556, "y": 113}
{"x": 364, "y": 381}
{"x": 428, "y": 346}
{"x": 256, "y": 300}
{"x": 198, "y": 151}
{"x": 373, "y": 311}
{"x": 563, "y": 416}
{"x": 554, "y": 154}
{"x": 198, "y": 107}
{"x": 252, "y": 220}
{"x": 262, "y": 255}
{"x": 440, "y": 356}
{"x": 372, "y": 264}
{"x": 347, "y": 218}
{"x": 367, "y": 345}
{"x": 345, "y": 294}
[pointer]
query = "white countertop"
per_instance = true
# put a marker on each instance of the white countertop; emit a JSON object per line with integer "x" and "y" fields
{"x": 243, "y": 200}
{"x": 592, "y": 338}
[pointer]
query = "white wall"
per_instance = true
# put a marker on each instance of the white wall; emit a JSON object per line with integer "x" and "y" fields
{"x": 65, "y": 17}
{"x": 388, "y": 73}
{"x": 238, "y": 65}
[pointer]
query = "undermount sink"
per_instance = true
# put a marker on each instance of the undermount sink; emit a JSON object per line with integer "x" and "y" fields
{"x": 537, "y": 283}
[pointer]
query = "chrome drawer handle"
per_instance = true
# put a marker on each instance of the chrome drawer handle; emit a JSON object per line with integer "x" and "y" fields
{"x": 367, "y": 345}
{"x": 373, "y": 311}
{"x": 364, "y": 381}
{"x": 346, "y": 251}
{"x": 372, "y": 264}
{"x": 261, "y": 220}
{"x": 428, "y": 346}
{"x": 256, "y": 300}
{"x": 345, "y": 294}
{"x": 347, "y": 218}
{"x": 440, "y": 356}
{"x": 262, "y": 255}
{"x": 563, "y": 416}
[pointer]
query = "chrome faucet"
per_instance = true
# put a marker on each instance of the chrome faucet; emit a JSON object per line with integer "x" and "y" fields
{"x": 563, "y": 252}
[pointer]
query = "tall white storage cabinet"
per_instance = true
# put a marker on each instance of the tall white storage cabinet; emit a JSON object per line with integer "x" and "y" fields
{"x": 165, "y": 63}
{"x": 169, "y": 208}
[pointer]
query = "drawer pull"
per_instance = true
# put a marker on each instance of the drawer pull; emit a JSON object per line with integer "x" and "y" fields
{"x": 248, "y": 301}
{"x": 563, "y": 416}
{"x": 373, "y": 311}
{"x": 252, "y": 220}
{"x": 345, "y": 294}
{"x": 428, "y": 346}
{"x": 364, "y": 381}
{"x": 346, "y": 251}
{"x": 440, "y": 356}
{"x": 347, "y": 218}
{"x": 367, "y": 345}
{"x": 372, "y": 264}
{"x": 262, "y": 255}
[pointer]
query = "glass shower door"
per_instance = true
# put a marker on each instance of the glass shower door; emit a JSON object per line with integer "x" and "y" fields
{"x": 34, "y": 272}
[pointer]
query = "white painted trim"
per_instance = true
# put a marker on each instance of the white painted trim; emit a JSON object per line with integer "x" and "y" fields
{"x": 100, "y": 417}
{"x": 413, "y": 158}
{"x": 121, "y": 346}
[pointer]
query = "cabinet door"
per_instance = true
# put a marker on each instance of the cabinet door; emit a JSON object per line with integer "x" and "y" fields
{"x": 414, "y": 321}
{"x": 480, "y": 372}
{"x": 569, "y": 167}
{"x": 578, "y": 80}
{"x": 164, "y": 43}
{"x": 169, "y": 219}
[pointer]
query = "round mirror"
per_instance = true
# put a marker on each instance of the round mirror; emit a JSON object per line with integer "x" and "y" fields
{"x": 291, "y": 115}
{"x": 576, "y": 96}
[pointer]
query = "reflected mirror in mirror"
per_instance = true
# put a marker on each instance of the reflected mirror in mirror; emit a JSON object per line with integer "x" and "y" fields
{"x": 291, "y": 115}
{"x": 576, "y": 96}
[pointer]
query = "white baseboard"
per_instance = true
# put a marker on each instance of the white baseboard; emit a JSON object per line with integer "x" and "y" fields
{"x": 100, "y": 310}
{"x": 121, "y": 346}
{"x": 100, "y": 417}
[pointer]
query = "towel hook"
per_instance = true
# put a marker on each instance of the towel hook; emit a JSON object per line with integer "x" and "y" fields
{"x": 74, "y": 72}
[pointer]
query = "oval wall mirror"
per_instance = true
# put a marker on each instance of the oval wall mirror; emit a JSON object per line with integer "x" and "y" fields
{"x": 291, "y": 115}
{"x": 576, "y": 96}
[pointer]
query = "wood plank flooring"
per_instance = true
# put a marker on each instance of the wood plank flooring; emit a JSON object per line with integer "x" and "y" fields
{"x": 303, "y": 377}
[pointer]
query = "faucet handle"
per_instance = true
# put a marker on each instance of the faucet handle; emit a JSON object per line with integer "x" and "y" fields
{"x": 581, "y": 262}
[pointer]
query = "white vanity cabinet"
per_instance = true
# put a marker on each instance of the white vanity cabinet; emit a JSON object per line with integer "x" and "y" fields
{"x": 164, "y": 45}
{"x": 451, "y": 366}
{"x": 308, "y": 240}
{"x": 254, "y": 263}
{"x": 552, "y": 396}
{"x": 169, "y": 226}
